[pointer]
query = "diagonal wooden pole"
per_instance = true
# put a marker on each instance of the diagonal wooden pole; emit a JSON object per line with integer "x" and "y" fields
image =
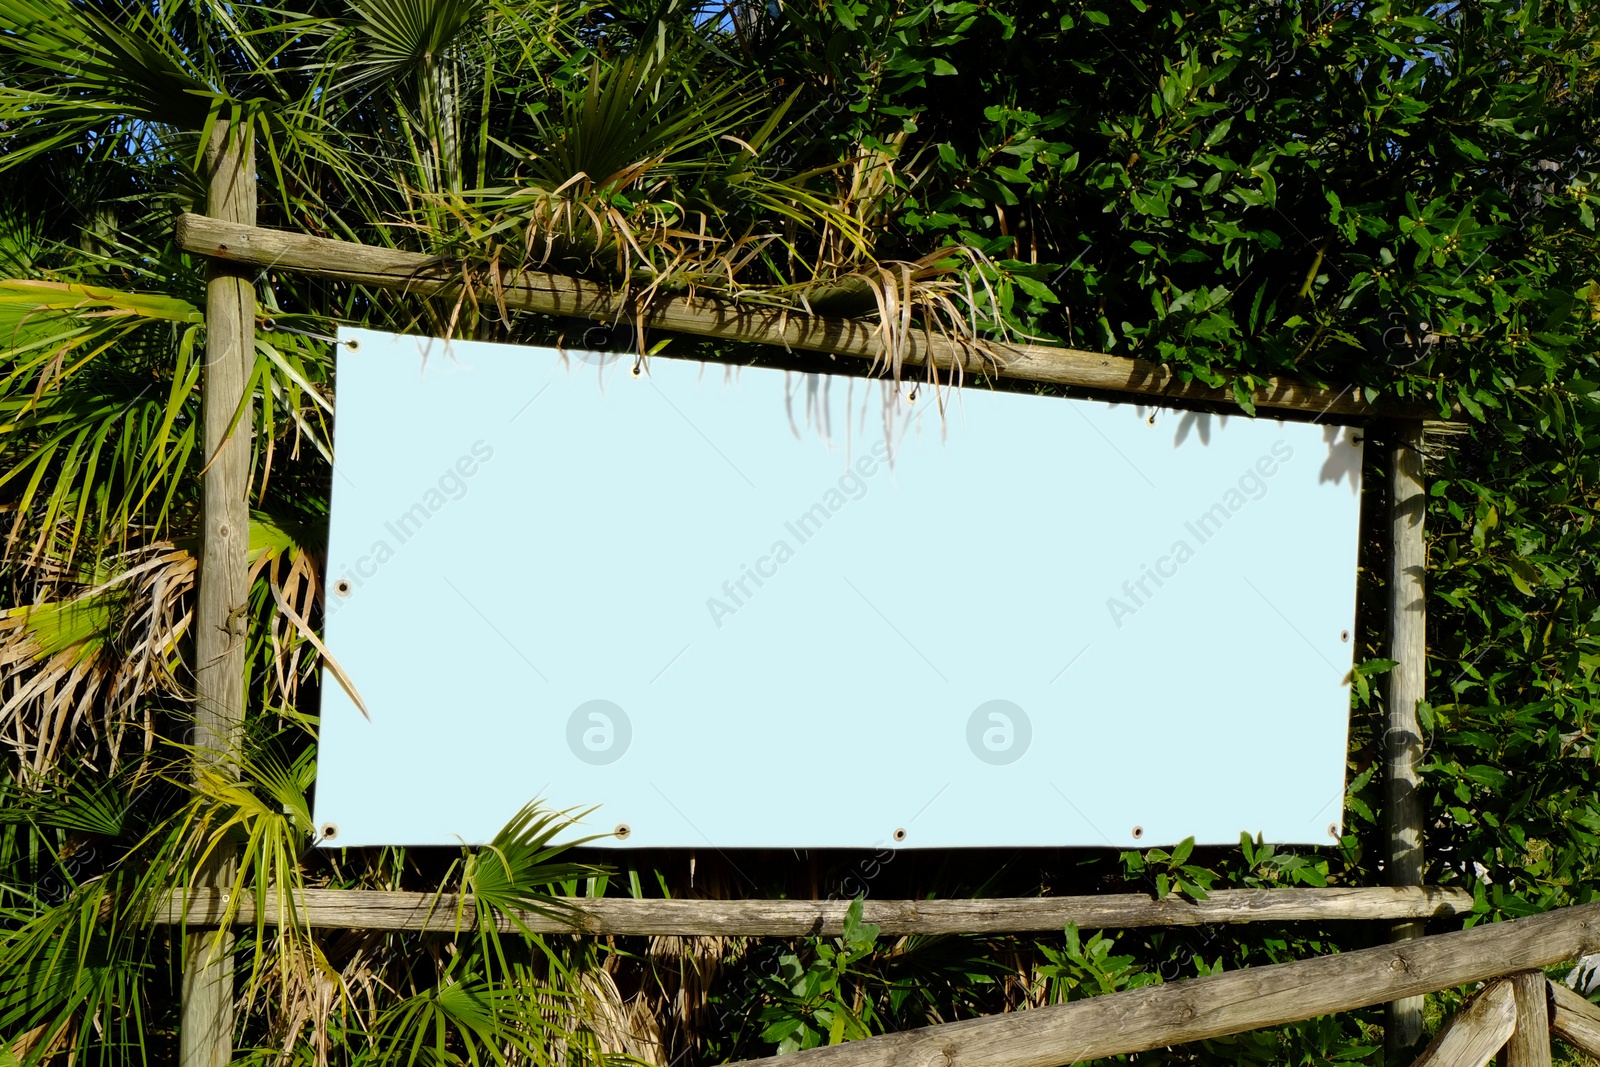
{"x": 1216, "y": 1005}
{"x": 205, "y": 1037}
{"x": 1475, "y": 1033}
{"x": 1576, "y": 1021}
{"x": 1408, "y": 647}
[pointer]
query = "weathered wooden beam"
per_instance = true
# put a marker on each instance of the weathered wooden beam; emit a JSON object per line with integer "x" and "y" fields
{"x": 1198, "y": 1009}
{"x": 1576, "y": 1021}
{"x": 1472, "y": 1036}
{"x": 205, "y": 1032}
{"x": 1408, "y": 647}
{"x": 1529, "y": 1045}
{"x": 383, "y": 910}
{"x": 742, "y": 321}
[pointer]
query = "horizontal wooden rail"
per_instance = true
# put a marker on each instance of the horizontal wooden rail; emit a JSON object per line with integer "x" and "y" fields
{"x": 1217, "y": 1005}
{"x": 558, "y": 294}
{"x": 368, "y": 909}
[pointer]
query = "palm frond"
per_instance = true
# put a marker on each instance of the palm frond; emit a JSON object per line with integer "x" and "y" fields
{"x": 81, "y": 371}
{"x": 402, "y": 38}
{"x": 516, "y": 870}
{"x": 89, "y": 662}
{"x": 85, "y": 665}
{"x": 72, "y": 71}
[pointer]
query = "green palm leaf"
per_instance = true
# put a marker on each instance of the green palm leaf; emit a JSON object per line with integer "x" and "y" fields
{"x": 75, "y": 407}
{"x": 516, "y": 870}
{"x": 403, "y": 37}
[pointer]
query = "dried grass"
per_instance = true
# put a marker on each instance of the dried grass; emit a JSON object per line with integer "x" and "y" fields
{"x": 77, "y": 671}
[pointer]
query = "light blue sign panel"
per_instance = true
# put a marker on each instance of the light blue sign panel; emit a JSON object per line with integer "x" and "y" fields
{"x": 748, "y": 608}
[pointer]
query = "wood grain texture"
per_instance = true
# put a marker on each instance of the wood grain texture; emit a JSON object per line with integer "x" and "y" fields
{"x": 1529, "y": 1045}
{"x": 713, "y": 317}
{"x": 1408, "y": 647}
{"x": 382, "y": 910}
{"x": 1576, "y": 1021}
{"x": 205, "y": 1033}
{"x": 1472, "y": 1036}
{"x": 1218, "y": 1005}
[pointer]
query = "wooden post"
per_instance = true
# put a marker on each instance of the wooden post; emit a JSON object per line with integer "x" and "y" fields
{"x": 205, "y": 1037}
{"x": 1408, "y": 647}
{"x": 1529, "y": 1045}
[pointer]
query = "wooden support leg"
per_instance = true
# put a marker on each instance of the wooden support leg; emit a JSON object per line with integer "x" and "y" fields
{"x": 1530, "y": 1041}
{"x": 205, "y": 1033}
{"x": 1408, "y": 647}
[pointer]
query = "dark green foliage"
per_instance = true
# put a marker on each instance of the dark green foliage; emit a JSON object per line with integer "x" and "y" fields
{"x": 807, "y": 1003}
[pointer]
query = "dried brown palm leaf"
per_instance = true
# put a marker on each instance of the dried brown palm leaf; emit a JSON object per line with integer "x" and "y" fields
{"x": 290, "y": 576}
{"x": 42, "y": 1043}
{"x": 622, "y": 1026}
{"x": 77, "y": 672}
{"x": 83, "y": 664}
{"x": 635, "y": 213}
{"x": 299, "y": 994}
{"x": 686, "y": 970}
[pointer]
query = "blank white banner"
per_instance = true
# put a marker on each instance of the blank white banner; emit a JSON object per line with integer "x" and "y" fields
{"x": 749, "y": 608}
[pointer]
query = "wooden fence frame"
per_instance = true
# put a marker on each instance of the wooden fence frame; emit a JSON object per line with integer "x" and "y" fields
{"x": 1517, "y": 1014}
{"x": 233, "y": 245}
